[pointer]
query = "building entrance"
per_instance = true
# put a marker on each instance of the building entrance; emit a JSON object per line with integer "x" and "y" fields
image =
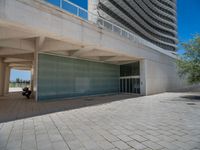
{"x": 130, "y": 78}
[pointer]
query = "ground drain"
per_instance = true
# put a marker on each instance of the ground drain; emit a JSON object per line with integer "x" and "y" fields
{"x": 191, "y": 103}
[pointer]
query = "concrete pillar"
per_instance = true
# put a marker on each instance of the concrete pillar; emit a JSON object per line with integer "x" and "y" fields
{"x": 143, "y": 75}
{"x": 7, "y": 79}
{"x": 32, "y": 78}
{"x": 34, "y": 72}
{"x": 2, "y": 76}
{"x": 38, "y": 45}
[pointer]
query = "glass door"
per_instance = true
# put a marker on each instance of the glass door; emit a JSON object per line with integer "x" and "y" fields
{"x": 130, "y": 78}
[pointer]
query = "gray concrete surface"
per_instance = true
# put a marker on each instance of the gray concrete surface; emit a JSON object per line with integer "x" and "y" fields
{"x": 15, "y": 89}
{"x": 168, "y": 121}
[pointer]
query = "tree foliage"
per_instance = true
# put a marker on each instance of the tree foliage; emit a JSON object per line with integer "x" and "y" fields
{"x": 189, "y": 62}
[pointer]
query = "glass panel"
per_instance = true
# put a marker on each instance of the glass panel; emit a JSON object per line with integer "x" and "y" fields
{"x": 54, "y": 2}
{"x": 81, "y": 3}
{"x": 124, "y": 33}
{"x": 60, "y": 77}
{"x": 134, "y": 85}
{"x": 100, "y": 22}
{"x": 138, "y": 86}
{"x": 128, "y": 88}
{"x": 132, "y": 69}
{"x": 83, "y": 14}
{"x": 69, "y": 7}
{"x": 121, "y": 85}
{"x": 116, "y": 29}
{"x": 131, "y": 85}
{"x": 124, "y": 85}
{"x": 108, "y": 25}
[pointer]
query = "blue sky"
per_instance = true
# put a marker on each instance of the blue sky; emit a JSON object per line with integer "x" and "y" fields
{"x": 188, "y": 25}
{"x": 188, "y": 20}
{"x": 25, "y": 75}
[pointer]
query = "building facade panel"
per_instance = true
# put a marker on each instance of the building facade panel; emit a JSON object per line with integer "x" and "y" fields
{"x": 133, "y": 16}
{"x": 61, "y": 77}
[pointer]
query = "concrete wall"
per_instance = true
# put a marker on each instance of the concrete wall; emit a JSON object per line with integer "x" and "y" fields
{"x": 162, "y": 76}
{"x": 61, "y": 77}
{"x": 143, "y": 87}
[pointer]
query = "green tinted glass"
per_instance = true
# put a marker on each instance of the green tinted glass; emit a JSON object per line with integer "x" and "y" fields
{"x": 61, "y": 77}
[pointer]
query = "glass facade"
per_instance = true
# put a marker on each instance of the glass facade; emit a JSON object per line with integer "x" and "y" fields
{"x": 130, "y": 78}
{"x": 61, "y": 77}
{"x": 81, "y": 3}
{"x": 132, "y": 69}
{"x": 69, "y": 7}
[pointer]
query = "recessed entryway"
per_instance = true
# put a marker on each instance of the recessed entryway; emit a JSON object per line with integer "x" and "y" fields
{"x": 130, "y": 78}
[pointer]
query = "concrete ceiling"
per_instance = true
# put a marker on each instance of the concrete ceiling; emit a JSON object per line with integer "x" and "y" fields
{"x": 17, "y": 47}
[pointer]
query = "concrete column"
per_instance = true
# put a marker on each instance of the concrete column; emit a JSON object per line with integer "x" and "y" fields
{"x": 2, "y": 76}
{"x": 7, "y": 79}
{"x": 143, "y": 81}
{"x": 38, "y": 45}
{"x": 32, "y": 77}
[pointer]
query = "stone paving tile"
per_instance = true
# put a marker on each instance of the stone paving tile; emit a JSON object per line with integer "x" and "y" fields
{"x": 110, "y": 137}
{"x": 73, "y": 145}
{"x": 152, "y": 138}
{"x": 90, "y": 145}
{"x": 105, "y": 145}
{"x": 16, "y": 144}
{"x": 165, "y": 138}
{"x": 121, "y": 145}
{"x": 60, "y": 145}
{"x": 152, "y": 145}
{"x": 169, "y": 145}
{"x": 158, "y": 122}
{"x": 124, "y": 138}
{"x": 137, "y": 145}
{"x": 138, "y": 138}
{"x": 45, "y": 145}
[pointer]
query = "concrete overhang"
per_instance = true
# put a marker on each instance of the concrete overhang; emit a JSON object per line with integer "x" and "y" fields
{"x": 22, "y": 22}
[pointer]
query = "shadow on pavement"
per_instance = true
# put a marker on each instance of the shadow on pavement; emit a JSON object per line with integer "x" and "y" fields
{"x": 192, "y": 97}
{"x": 14, "y": 106}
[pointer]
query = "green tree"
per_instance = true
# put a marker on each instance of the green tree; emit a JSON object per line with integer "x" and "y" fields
{"x": 17, "y": 80}
{"x": 189, "y": 62}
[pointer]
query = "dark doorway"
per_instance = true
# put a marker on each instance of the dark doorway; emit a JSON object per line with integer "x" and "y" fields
{"x": 130, "y": 78}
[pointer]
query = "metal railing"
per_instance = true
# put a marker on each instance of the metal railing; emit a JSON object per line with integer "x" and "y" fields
{"x": 105, "y": 24}
{"x": 99, "y": 21}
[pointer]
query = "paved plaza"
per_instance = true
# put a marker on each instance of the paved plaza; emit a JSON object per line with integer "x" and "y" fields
{"x": 168, "y": 121}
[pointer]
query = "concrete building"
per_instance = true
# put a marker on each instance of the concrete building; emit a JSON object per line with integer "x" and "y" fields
{"x": 153, "y": 20}
{"x": 75, "y": 52}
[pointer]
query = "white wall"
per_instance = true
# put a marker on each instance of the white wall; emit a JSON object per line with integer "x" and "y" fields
{"x": 162, "y": 77}
{"x": 143, "y": 86}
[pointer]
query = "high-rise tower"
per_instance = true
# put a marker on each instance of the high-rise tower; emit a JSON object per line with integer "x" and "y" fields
{"x": 153, "y": 20}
